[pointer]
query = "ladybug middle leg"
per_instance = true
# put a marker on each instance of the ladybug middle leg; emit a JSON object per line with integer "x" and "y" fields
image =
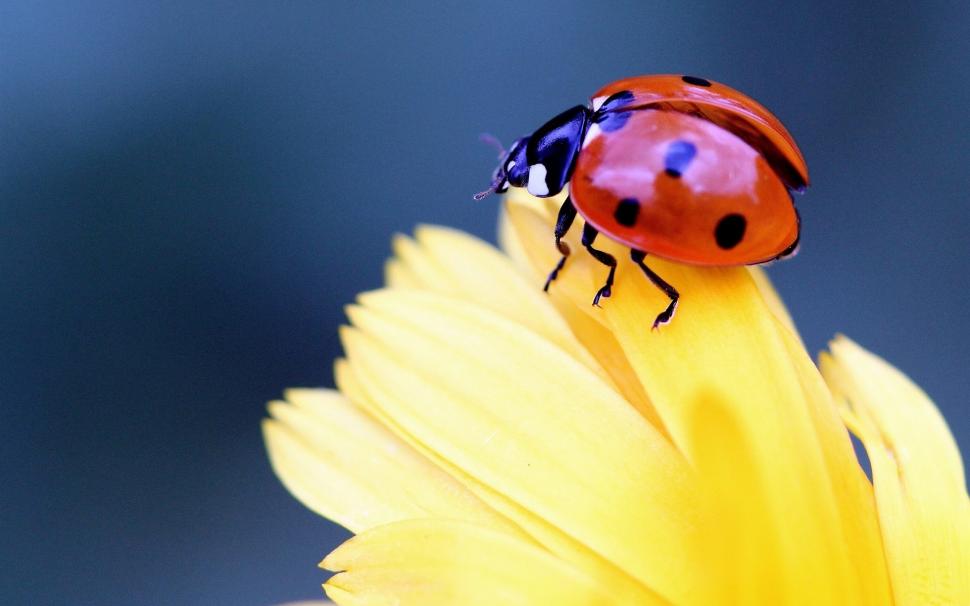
{"x": 589, "y": 235}
{"x": 567, "y": 212}
{"x": 665, "y": 316}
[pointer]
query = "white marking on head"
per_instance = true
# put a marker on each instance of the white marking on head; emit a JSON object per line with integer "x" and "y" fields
{"x": 537, "y": 180}
{"x": 510, "y": 166}
{"x": 598, "y": 102}
{"x": 592, "y": 132}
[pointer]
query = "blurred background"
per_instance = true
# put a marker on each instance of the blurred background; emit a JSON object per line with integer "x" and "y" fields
{"x": 191, "y": 191}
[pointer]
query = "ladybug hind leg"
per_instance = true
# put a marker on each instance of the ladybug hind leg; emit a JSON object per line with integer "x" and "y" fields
{"x": 567, "y": 213}
{"x": 589, "y": 236}
{"x": 666, "y": 315}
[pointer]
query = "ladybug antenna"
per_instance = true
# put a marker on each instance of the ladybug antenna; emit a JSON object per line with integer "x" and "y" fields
{"x": 497, "y": 180}
{"x": 499, "y": 175}
{"x": 492, "y": 140}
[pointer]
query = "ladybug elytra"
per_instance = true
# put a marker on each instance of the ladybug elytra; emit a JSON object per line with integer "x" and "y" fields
{"x": 674, "y": 166}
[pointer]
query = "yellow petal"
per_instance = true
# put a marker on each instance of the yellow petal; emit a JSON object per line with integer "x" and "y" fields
{"x": 526, "y": 235}
{"x": 722, "y": 362}
{"x": 918, "y": 475}
{"x": 439, "y": 562}
{"x": 773, "y": 300}
{"x": 343, "y": 465}
{"x": 526, "y": 420}
{"x": 529, "y": 230}
{"x": 623, "y": 586}
{"x": 851, "y": 487}
{"x": 398, "y": 275}
{"x": 720, "y": 375}
{"x": 450, "y": 262}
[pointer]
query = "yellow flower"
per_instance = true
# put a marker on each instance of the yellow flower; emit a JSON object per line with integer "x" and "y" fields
{"x": 491, "y": 444}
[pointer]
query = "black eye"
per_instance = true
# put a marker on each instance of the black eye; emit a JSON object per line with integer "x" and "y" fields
{"x": 730, "y": 230}
{"x": 695, "y": 81}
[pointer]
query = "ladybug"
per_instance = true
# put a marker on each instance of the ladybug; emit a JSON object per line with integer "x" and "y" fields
{"x": 674, "y": 166}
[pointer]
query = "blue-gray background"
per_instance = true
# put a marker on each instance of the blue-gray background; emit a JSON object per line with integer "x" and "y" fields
{"x": 190, "y": 191}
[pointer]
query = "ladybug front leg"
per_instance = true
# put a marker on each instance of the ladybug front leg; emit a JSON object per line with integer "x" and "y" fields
{"x": 567, "y": 212}
{"x": 666, "y": 315}
{"x": 589, "y": 235}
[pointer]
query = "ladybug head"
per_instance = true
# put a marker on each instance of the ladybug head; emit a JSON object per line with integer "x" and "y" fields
{"x": 542, "y": 162}
{"x": 513, "y": 170}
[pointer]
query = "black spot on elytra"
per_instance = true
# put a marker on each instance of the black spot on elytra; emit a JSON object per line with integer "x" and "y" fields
{"x": 627, "y": 211}
{"x": 730, "y": 230}
{"x": 678, "y": 157}
{"x": 695, "y": 81}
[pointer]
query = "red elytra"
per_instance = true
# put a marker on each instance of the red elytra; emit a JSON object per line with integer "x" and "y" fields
{"x": 678, "y": 216}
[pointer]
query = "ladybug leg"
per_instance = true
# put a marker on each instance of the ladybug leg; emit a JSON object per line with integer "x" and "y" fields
{"x": 666, "y": 315}
{"x": 589, "y": 235}
{"x": 567, "y": 212}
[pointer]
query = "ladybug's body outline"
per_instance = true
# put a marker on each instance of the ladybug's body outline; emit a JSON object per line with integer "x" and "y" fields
{"x": 674, "y": 166}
